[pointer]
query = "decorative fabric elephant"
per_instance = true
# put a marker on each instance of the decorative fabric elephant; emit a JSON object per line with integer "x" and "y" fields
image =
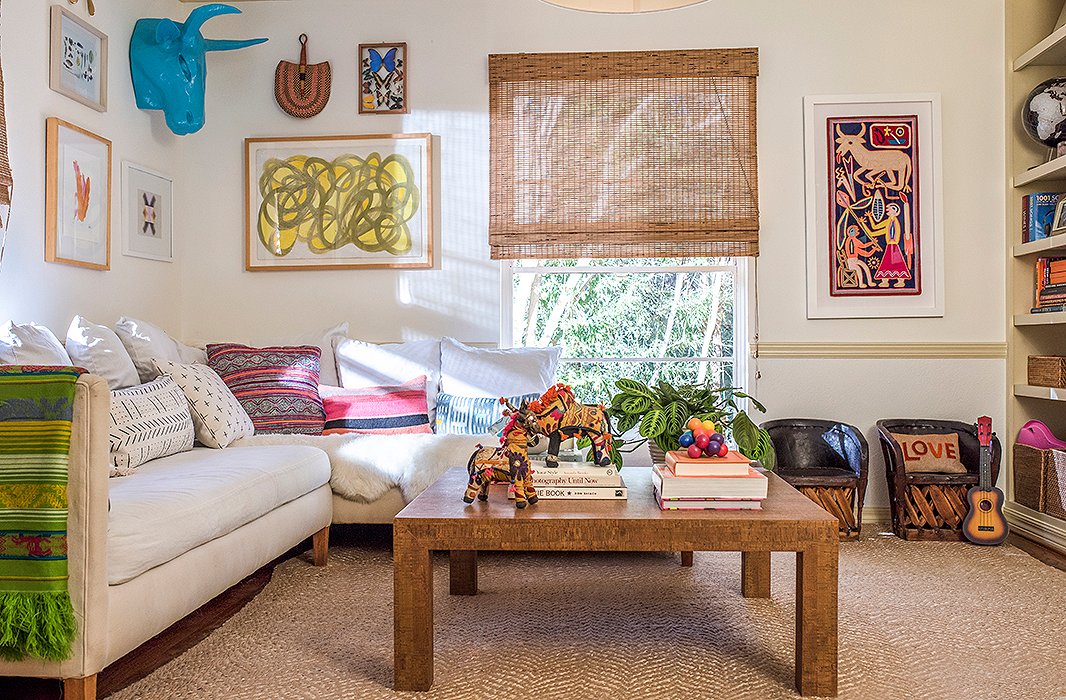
{"x": 168, "y": 61}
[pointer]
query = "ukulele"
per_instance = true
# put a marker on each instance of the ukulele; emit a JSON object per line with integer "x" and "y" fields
{"x": 985, "y": 524}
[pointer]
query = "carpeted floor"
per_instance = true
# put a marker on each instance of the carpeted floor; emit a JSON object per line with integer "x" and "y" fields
{"x": 917, "y": 620}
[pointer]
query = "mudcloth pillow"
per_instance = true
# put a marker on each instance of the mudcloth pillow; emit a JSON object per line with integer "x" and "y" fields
{"x": 217, "y": 415}
{"x": 147, "y": 422}
{"x": 938, "y": 453}
{"x": 378, "y": 410}
{"x": 278, "y": 386}
{"x": 472, "y": 415}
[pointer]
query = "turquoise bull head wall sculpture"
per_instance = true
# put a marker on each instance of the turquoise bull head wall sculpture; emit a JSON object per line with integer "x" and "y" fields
{"x": 168, "y": 61}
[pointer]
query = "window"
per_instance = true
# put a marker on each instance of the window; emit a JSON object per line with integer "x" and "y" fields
{"x": 676, "y": 319}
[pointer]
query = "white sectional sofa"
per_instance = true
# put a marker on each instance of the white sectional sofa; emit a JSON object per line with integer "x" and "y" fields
{"x": 148, "y": 549}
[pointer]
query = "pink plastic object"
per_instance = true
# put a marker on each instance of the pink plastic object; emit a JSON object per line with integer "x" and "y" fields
{"x": 1036, "y": 434}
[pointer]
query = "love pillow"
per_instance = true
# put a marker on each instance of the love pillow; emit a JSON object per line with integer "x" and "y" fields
{"x": 931, "y": 453}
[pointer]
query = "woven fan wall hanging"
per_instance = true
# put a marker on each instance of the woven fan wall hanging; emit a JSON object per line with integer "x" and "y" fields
{"x": 302, "y": 90}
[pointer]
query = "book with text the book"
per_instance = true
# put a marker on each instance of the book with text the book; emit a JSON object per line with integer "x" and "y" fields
{"x": 752, "y": 485}
{"x": 733, "y": 464}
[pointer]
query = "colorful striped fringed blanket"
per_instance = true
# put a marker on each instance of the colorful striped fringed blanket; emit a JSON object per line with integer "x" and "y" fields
{"x": 36, "y": 410}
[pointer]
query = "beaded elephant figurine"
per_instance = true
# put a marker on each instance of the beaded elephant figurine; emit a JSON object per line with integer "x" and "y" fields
{"x": 508, "y": 463}
{"x": 560, "y": 416}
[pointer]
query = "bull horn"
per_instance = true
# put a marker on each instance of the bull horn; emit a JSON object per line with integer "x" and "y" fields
{"x": 840, "y": 132}
{"x": 862, "y": 132}
{"x": 199, "y": 16}
{"x": 230, "y": 44}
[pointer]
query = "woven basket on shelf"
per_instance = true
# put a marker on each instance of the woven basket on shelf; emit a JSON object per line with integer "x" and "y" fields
{"x": 1047, "y": 370}
{"x": 1055, "y": 484}
{"x": 1029, "y": 468}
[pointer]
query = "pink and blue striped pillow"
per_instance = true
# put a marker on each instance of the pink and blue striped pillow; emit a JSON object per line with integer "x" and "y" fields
{"x": 378, "y": 410}
{"x": 277, "y": 386}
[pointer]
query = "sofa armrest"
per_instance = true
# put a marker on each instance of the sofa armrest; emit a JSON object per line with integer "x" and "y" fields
{"x": 86, "y": 537}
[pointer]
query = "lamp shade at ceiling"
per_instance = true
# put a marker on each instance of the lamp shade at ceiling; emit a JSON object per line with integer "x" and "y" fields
{"x": 624, "y": 5}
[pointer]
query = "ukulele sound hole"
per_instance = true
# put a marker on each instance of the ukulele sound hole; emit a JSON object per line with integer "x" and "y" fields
{"x": 985, "y": 506}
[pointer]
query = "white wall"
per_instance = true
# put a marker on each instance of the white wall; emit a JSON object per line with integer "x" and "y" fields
{"x": 954, "y": 47}
{"x": 31, "y": 289}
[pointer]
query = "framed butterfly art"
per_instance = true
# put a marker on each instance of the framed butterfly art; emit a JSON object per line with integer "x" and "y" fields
{"x": 383, "y": 78}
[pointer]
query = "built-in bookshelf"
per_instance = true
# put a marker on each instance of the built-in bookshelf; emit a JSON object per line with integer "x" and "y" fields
{"x": 1036, "y": 51}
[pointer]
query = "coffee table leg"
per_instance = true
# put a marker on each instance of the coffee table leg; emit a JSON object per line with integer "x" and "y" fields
{"x": 412, "y": 614}
{"x": 755, "y": 574}
{"x": 462, "y": 569}
{"x": 686, "y": 558}
{"x": 816, "y": 620}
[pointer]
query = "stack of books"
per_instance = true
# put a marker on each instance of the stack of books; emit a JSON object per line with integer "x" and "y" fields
{"x": 1050, "y": 285}
{"x": 578, "y": 481}
{"x": 1038, "y": 215}
{"x": 708, "y": 483}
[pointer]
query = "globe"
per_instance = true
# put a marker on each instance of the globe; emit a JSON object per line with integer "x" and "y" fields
{"x": 1044, "y": 112}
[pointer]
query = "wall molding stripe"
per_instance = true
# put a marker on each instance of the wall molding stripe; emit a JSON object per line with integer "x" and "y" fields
{"x": 900, "y": 351}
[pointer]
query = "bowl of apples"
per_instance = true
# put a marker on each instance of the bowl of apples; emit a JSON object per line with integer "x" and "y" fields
{"x": 703, "y": 440}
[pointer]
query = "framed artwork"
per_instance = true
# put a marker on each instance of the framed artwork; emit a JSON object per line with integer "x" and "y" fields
{"x": 78, "y": 60}
{"x": 874, "y": 220}
{"x": 147, "y": 213}
{"x": 331, "y": 202}
{"x": 77, "y": 197}
{"x": 383, "y": 78}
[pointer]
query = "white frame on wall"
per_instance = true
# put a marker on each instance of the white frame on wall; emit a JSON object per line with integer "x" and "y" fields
{"x": 127, "y": 221}
{"x": 930, "y": 303}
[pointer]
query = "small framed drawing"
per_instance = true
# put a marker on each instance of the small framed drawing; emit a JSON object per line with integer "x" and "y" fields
{"x": 77, "y": 197}
{"x": 383, "y": 78}
{"x": 147, "y": 213}
{"x": 335, "y": 202}
{"x": 78, "y": 58}
{"x": 875, "y": 245}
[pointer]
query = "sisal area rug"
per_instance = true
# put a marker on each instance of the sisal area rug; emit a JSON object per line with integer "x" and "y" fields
{"x": 917, "y": 621}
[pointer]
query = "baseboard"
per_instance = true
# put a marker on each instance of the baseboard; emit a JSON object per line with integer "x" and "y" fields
{"x": 876, "y": 514}
{"x": 1039, "y": 527}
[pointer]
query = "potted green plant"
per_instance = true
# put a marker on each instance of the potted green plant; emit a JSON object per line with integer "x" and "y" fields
{"x": 660, "y": 412}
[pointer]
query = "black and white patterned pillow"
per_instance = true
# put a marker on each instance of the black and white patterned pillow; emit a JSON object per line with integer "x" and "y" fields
{"x": 147, "y": 422}
{"x": 217, "y": 415}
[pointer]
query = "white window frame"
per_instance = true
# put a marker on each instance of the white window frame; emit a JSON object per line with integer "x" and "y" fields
{"x": 745, "y": 331}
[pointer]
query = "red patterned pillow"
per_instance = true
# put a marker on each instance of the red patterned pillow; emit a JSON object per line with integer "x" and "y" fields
{"x": 277, "y": 386}
{"x": 378, "y": 410}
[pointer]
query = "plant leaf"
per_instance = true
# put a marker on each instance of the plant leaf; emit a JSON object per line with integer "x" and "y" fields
{"x": 627, "y": 423}
{"x": 636, "y": 404}
{"x": 676, "y": 415}
{"x": 653, "y": 424}
{"x": 632, "y": 386}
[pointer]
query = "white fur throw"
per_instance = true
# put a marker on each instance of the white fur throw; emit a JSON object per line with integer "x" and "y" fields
{"x": 365, "y": 467}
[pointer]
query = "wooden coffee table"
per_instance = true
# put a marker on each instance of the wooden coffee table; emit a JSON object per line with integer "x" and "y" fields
{"x": 438, "y": 520}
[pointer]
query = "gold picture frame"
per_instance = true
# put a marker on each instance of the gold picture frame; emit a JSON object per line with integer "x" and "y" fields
{"x": 77, "y": 59}
{"x": 77, "y": 213}
{"x": 318, "y": 203}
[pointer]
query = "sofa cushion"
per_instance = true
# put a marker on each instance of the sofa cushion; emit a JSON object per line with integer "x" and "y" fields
{"x": 277, "y": 386}
{"x": 98, "y": 349}
{"x": 31, "y": 344}
{"x": 217, "y": 415}
{"x": 472, "y": 371}
{"x": 361, "y": 365}
{"x": 148, "y": 422}
{"x": 377, "y": 410}
{"x": 472, "y": 415}
{"x": 176, "y": 503}
{"x": 147, "y": 342}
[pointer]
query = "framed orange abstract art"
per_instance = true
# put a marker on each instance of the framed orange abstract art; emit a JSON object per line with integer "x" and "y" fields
{"x": 77, "y": 197}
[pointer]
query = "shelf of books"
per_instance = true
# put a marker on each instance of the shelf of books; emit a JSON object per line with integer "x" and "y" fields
{"x": 1036, "y": 249}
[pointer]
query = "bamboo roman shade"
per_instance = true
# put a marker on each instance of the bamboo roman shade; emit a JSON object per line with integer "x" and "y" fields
{"x": 628, "y": 154}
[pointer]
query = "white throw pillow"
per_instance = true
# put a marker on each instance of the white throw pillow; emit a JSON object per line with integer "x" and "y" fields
{"x": 217, "y": 415}
{"x": 147, "y": 422}
{"x": 361, "y": 365}
{"x": 98, "y": 349}
{"x": 31, "y": 344}
{"x": 146, "y": 342}
{"x": 479, "y": 372}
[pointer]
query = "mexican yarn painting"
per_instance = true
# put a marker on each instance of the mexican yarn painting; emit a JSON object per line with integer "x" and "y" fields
{"x": 874, "y": 238}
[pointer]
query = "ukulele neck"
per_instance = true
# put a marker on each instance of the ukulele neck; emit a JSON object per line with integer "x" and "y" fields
{"x": 984, "y": 436}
